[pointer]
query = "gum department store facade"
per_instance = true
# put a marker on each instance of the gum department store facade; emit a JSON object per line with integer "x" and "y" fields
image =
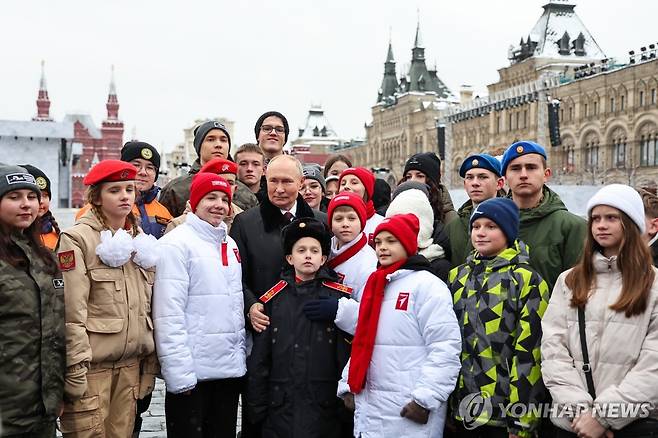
{"x": 608, "y": 111}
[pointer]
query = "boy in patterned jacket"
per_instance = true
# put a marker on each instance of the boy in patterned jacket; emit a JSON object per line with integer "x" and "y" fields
{"x": 499, "y": 300}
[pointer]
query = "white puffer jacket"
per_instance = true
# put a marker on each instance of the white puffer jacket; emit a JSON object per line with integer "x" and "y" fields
{"x": 198, "y": 306}
{"x": 623, "y": 351}
{"x": 355, "y": 272}
{"x": 416, "y": 357}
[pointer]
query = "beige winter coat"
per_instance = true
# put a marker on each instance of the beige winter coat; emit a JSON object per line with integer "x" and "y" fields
{"x": 107, "y": 309}
{"x": 623, "y": 351}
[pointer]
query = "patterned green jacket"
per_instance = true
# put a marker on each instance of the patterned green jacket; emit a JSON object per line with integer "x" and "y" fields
{"x": 499, "y": 303}
{"x": 32, "y": 343}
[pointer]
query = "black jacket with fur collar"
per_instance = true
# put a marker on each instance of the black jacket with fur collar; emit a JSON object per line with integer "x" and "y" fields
{"x": 257, "y": 233}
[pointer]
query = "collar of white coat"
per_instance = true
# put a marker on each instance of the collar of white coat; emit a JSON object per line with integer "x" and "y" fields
{"x": 400, "y": 273}
{"x": 205, "y": 230}
{"x": 334, "y": 243}
{"x": 603, "y": 264}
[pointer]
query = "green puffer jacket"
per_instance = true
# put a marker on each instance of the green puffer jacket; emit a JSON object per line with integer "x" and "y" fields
{"x": 555, "y": 236}
{"x": 32, "y": 343}
{"x": 499, "y": 303}
{"x": 459, "y": 236}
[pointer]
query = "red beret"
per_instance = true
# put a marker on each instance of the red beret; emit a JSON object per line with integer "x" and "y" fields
{"x": 204, "y": 183}
{"x": 405, "y": 228}
{"x": 219, "y": 166}
{"x": 348, "y": 199}
{"x": 110, "y": 171}
{"x": 365, "y": 176}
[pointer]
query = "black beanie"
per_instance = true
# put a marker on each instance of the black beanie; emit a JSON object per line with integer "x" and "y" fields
{"x": 139, "y": 149}
{"x": 260, "y": 120}
{"x": 203, "y": 129}
{"x": 426, "y": 162}
{"x": 41, "y": 179}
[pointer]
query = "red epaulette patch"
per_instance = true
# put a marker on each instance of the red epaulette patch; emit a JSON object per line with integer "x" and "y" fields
{"x": 337, "y": 286}
{"x": 267, "y": 296}
{"x": 66, "y": 260}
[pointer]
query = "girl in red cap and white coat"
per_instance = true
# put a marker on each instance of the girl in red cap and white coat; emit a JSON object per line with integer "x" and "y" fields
{"x": 108, "y": 267}
{"x": 402, "y": 370}
{"x": 362, "y": 182}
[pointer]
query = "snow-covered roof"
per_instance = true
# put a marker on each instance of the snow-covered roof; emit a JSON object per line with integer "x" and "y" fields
{"x": 40, "y": 129}
{"x": 558, "y": 34}
{"x": 86, "y": 121}
{"x": 317, "y": 125}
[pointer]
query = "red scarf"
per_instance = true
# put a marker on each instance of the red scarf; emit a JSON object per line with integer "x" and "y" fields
{"x": 348, "y": 253}
{"x": 366, "y": 328}
{"x": 370, "y": 209}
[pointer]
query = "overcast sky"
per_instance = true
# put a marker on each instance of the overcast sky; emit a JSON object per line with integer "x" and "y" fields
{"x": 176, "y": 61}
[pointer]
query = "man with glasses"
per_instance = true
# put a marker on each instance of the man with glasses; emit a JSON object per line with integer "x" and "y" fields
{"x": 271, "y": 132}
{"x": 211, "y": 140}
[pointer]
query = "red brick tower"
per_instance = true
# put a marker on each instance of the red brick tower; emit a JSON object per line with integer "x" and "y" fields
{"x": 112, "y": 127}
{"x": 43, "y": 102}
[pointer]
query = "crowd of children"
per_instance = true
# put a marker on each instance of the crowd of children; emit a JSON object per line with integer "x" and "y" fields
{"x": 342, "y": 324}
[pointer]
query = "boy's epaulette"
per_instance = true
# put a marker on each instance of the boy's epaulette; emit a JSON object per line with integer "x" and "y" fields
{"x": 337, "y": 286}
{"x": 267, "y": 296}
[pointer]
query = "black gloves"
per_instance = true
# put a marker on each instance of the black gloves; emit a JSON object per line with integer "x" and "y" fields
{"x": 415, "y": 412}
{"x": 323, "y": 309}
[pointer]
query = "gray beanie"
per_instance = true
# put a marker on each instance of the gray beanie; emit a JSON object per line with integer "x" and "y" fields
{"x": 16, "y": 178}
{"x": 313, "y": 171}
{"x": 408, "y": 185}
{"x": 203, "y": 129}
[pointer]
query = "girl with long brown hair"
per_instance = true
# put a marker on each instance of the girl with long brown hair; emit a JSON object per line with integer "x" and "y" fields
{"x": 108, "y": 265}
{"x": 600, "y": 332}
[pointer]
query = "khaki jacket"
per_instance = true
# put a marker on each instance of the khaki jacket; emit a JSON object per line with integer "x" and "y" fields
{"x": 107, "y": 309}
{"x": 623, "y": 351}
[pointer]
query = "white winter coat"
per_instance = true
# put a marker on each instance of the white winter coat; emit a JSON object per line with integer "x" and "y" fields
{"x": 355, "y": 271}
{"x": 198, "y": 306}
{"x": 416, "y": 357}
{"x": 623, "y": 351}
{"x": 371, "y": 225}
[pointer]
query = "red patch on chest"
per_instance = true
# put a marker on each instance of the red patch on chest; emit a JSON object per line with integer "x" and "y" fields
{"x": 403, "y": 301}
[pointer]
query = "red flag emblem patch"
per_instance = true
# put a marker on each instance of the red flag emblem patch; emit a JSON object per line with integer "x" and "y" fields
{"x": 403, "y": 301}
{"x": 66, "y": 260}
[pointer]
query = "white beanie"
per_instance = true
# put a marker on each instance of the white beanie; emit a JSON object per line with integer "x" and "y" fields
{"x": 416, "y": 202}
{"x": 621, "y": 197}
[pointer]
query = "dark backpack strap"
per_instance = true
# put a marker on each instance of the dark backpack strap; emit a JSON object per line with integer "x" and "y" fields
{"x": 587, "y": 369}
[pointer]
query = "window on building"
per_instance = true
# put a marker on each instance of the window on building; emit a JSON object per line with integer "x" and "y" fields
{"x": 645, "y": 143}
{"x": 653, "y": 96}
{"x": 612, "y": 105}
{"x": 622, "y": 103}
{"x": 570, "y": 113}
{"x": 518, "y": 120}
{"x": 586, "y": 110}
{"x": 641, "y": 98}
{"x": 525, "y": 118}
{"x": 509, "y": 125}
{"x": 561, "y": 115}
{"x": 570, "y": 160}
{"x": 592, "y": 155}
{"x": 596, "y": 107}
{"x": 497, "y": 124}
{"x": 619, "y": 153}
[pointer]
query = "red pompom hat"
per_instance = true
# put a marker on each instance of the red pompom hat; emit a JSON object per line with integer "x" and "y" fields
{"x": 348, "y": 199}
{"x": 204, "y": 183}
{"x": 219, "y": 166}
{"x": 405, "y": 228}
{"x": 368, "y": 180}
{"x": 110, "y": 171}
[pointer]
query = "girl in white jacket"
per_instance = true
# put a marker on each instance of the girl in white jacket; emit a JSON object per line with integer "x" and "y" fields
{"x": 405, "y": 353}
{"x": 198, "y": 316}
{"x": 616, "y": 285}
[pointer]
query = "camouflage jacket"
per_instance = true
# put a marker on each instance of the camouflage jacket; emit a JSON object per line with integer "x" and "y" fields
{"x": 32, "y": 343}
{"x": 499, "y": 303}
{"x": 176, "y": 193}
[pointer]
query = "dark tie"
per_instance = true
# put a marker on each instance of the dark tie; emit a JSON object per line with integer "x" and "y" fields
{"x": 288, "y": 217}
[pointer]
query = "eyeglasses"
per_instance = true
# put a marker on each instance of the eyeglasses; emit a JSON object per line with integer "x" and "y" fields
{"x": 268, "y": 128}
{"x": 149, "y": 168}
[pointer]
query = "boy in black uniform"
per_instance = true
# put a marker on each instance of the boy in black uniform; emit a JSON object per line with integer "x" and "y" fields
{"x": 295, "y": 364}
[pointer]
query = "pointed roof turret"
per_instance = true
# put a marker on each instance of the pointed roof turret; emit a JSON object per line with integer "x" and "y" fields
{"x": 389, "y": 81}
{"x": 418, "y": 41}
{"x": 43, "y": 101}
{"x": 112, "y": 104}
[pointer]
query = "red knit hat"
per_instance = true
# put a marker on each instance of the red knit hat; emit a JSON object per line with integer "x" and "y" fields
{"x": 365, "y": 176}
{"x": 204, "y": 183}
{"x": 348, "y": 199}
{"x": 110, "y": 171}
{"x": 219, "y": 166}
{"x": 403, "y": 226}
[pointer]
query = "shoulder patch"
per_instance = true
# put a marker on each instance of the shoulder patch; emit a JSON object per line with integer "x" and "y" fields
{"x": 267, "y": 296}
{"x": 66, "y": 260}
{"x": 58, "y": 283}
{"x": 337, "y": 286}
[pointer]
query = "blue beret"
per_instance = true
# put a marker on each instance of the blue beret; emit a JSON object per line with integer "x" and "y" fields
{"x": 480, "y": 161}
{"x": 521, "y": 148}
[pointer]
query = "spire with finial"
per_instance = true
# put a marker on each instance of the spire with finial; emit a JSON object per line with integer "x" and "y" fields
{"x": 418, "y": 41}
{"x": 43, "y": 101}
{"x": 389, "y": 82}
{"x": 112, "y": 104}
